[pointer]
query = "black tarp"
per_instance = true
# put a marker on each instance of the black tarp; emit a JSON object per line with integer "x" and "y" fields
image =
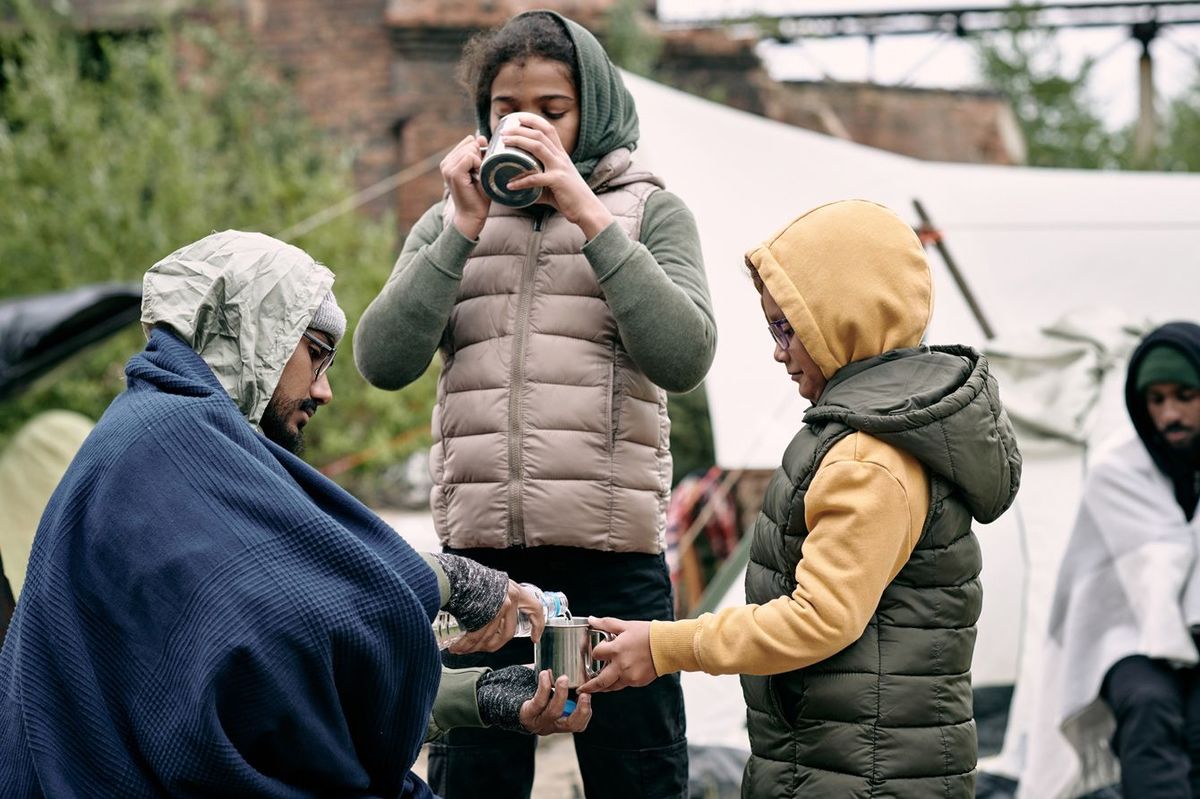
{"x": 38, "y": 332}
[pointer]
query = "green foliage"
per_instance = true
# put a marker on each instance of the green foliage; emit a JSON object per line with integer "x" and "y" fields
{"x": 630, "y": 42}
{"x": 716, "y": 93}
{"x": 1180, "y": 150}
{"x": 691, "y": 433}
{"x": 1050, "y": 102}
{"x": 1056, "y": 113}
{"x": 115, "y": 151}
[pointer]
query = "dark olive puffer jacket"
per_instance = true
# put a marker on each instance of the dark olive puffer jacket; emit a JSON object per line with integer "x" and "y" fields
{"x": 890, "y": 715}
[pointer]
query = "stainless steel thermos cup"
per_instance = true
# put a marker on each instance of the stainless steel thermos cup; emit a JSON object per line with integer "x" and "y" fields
{"x": 502, "y": 163}
{"x": 566, "y": 648}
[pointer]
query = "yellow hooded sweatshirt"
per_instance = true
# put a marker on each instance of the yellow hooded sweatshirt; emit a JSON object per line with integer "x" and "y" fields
{"x": 852, "y": 280}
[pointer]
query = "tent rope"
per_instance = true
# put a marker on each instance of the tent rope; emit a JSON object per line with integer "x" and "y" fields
{"x": 358, "y": 199}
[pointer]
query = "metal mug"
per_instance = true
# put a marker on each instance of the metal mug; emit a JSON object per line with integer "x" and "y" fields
{"x": 502, "y": 163}
{"x": 566, "y": 648}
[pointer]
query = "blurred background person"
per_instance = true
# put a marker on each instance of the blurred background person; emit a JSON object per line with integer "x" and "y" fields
{"x": 1122, "y": 677}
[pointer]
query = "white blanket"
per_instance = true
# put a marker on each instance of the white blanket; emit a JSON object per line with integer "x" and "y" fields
{"x": 1126, "y": 586}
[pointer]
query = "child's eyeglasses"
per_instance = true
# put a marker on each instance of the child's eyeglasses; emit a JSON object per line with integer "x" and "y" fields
{"x": 781, "y": 331}
{"x": 327, "y": 354}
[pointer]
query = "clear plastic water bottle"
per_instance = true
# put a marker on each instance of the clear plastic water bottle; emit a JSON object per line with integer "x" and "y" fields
{"x": 447, "y": 630}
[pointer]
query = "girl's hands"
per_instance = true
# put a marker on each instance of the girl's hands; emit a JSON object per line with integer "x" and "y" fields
{"x": 562, "y": 185}
{"x": 460, "y": 171}
{"x": 630, "y": 662}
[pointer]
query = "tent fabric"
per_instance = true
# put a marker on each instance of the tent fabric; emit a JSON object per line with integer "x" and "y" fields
{"x": 1052, "y": 378}
{"x": 31, "y": 464}
{"x": 1062, "y": 386}
{"x": 1031, "y": 242}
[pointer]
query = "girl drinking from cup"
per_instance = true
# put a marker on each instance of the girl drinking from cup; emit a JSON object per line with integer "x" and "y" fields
{"x": 561, "y": 326}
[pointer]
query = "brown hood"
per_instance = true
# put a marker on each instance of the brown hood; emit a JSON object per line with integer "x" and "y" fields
{"x": 852, "y": 280}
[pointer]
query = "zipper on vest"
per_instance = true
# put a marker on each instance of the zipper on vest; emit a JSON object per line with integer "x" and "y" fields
{"x": 516, "y": 521}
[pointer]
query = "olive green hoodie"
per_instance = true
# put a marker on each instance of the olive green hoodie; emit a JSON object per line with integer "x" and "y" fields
{"x": 607, "y": 115}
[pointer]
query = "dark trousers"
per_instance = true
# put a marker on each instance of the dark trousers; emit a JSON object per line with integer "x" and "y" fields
{"x": 634, "y": 746}
{"x": 1157, "y": 708}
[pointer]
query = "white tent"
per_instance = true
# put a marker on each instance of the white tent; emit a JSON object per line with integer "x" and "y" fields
{"x": 1033, "y": 244}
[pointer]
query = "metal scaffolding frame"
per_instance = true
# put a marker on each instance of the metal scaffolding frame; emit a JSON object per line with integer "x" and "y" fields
{"x": 1144, "y": 17}
{"x": 1145, "y": 21}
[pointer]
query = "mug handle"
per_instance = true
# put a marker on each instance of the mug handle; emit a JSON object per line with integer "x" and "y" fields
{"x": 597, "y": 637}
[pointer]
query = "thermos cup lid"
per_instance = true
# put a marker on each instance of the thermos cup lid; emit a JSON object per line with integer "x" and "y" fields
{"x": 502, "y": 163}
{"x": 498, "y": 170}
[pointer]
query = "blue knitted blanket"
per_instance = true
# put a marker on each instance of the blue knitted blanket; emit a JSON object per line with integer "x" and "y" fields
{"x": 207, "y": 615}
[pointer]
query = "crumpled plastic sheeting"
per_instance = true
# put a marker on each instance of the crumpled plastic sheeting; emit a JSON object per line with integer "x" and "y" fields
{"x": 242, "y": 301}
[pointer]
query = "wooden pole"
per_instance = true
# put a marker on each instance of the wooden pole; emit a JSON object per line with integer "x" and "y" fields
{"x": 1144, "y": 134}
{"x": 929, "y": 233}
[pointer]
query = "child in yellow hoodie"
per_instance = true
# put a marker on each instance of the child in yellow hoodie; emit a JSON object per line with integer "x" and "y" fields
{"x": 864, "y": 573}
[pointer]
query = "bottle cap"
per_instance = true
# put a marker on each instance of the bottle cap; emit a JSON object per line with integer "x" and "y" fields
{"x": 568, "y": 708}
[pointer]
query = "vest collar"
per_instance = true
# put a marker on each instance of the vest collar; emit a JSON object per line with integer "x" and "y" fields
{"x": 851, "y": 370}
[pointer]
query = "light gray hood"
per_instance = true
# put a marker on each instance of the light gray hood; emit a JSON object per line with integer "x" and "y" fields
{"x": 242, "y": 301}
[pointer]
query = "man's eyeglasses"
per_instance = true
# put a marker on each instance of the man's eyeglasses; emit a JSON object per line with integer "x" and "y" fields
{"x": 781, "y": 331}
{"x": 327, "y": 354}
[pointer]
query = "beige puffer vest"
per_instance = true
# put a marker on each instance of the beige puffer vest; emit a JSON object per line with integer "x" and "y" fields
{"x": 545, "y": 430}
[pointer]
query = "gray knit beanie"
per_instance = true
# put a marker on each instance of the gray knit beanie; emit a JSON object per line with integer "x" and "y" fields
{"x": 329, "y": 318}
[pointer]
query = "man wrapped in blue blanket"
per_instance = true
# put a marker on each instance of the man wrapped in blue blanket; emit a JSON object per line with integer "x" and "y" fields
{"x": 206, "y": 615}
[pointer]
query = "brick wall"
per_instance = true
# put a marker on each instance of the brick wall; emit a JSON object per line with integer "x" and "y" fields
{"x": 432, "y": 111}
{"x": 932, "y": 124}
{"x": 479, "y": 14}
{"x": 378, "y": 77}
{"x": 338, "y": 56}
{"x": 716, "y": 66}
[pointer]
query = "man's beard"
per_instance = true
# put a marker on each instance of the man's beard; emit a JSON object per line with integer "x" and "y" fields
{"x": 275, "y": 426}
{"x": 1189, "y": 447}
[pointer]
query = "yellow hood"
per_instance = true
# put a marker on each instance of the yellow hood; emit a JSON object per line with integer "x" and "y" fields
{"x": 852, "y": 280}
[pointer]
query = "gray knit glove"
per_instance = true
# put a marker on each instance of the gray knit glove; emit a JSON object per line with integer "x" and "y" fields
{"x": 501, "y": 694}
{"x": 476, "y": 592}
